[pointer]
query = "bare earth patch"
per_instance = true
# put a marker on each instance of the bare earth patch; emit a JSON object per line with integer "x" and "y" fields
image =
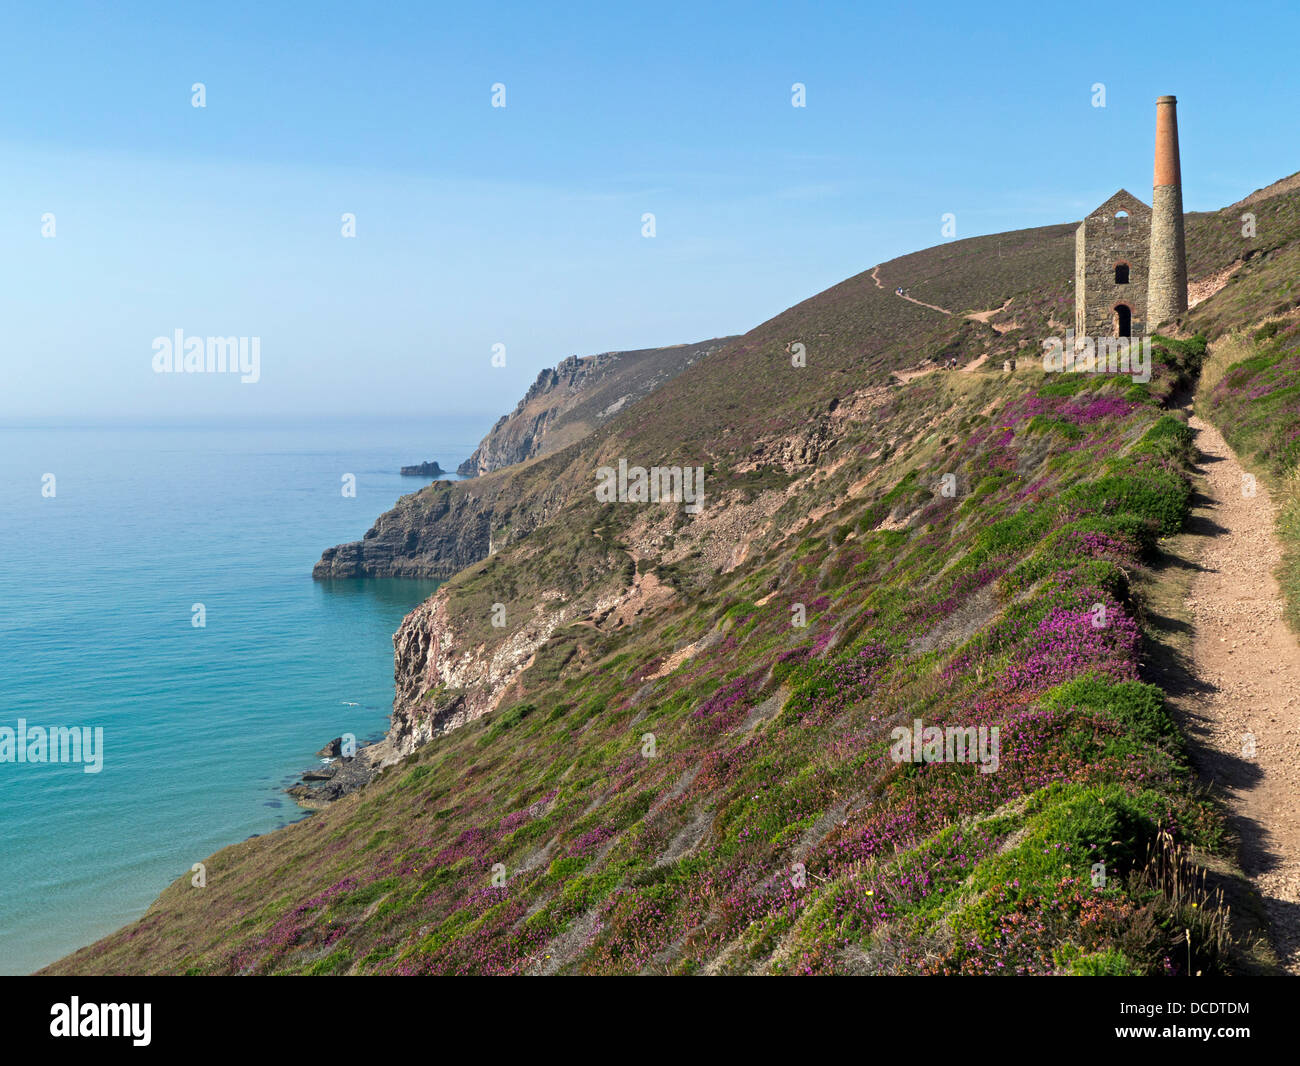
{"x": 984, "y": 316}
{"x": 1202, "y": 289}
{"x": 904, "y": 376}
{"x": 977, "y": 611}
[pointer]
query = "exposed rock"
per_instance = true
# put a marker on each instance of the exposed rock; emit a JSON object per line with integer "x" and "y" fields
{"x": 429, "y": 469}
{"x": 433, "y": 533}
{"x": 567, "y": 402}
{"x": 321, "y": 773}
{"x": 322, "y": 786}
{"x": 442, "y": 684}
{"x": 332, "y": 750}
{"x": 447, "y": 526}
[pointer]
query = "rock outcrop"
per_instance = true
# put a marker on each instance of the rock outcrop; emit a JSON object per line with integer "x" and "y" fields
{"x": 445, "y": 527}
{"x": 322, "y": 785}
{"x": 567, "y": 402}
{"x": 443, "y": 681}
{"x": 440, "y": 530}
{"x": 433, "y": 533}
{"x": 429, "y": 469}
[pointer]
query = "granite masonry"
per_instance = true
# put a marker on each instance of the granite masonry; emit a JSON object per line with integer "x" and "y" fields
{"x": 1130, "y": 262}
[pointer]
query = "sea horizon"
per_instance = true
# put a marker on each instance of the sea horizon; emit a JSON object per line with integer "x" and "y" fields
{"x": 207, "y": 715}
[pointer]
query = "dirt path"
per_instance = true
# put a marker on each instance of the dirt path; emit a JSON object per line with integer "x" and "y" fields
{"x": 1247, "y": 663}
{"x": 904, "y": 376}
{"x": 984, "y": 316}
{"x": 875, "y": 276}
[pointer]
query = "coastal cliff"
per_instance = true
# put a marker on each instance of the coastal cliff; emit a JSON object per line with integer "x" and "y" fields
{"x": 445, "y": 679}
{"x": 432, "y": 533}
{"x": 447, "y": 526}
{"x": 568, "y": 401}
{"x": 634, "y": 709}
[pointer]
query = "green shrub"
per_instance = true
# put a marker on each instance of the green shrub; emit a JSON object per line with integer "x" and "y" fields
{"x": 1138, "y": 706}
{"x": 1046, "y": 424}
{"x": 1067, "y": 385}
{"x": 1169, "y": 438}
{"x": 506, "y": 720}
{"x": 1158, "y": 496}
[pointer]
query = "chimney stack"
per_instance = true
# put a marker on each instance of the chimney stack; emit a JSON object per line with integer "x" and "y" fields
{"x": 1167, "y": 290}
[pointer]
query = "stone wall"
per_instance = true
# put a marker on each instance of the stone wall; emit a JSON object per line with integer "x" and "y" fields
{"x": 1099, "y": 246}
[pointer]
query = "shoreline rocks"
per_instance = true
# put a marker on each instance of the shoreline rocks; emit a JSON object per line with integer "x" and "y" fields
{"x": 320, "y": 786}
{"x": 332, "y": 750}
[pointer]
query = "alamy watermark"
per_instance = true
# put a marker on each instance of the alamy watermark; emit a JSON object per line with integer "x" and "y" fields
{"x": 1102, "y": 355}
{"x": 179, "y": 354}
{"x": 57, "y": 744}
{"x": 929, "y": 743}
{"x": 78, "y": 1019}
{"x": 659, "y": 484}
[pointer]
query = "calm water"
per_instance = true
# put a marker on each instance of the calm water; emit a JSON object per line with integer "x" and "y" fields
{"x": 203, "y": 727}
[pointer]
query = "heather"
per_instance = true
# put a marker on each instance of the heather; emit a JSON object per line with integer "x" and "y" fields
{"x": 1257, "y": 400}
{"x": 771, "y": 831}
{"x": 704, "y": 784}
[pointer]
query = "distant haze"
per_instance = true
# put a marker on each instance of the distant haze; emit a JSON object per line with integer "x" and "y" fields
{"x": 522, "y": 225}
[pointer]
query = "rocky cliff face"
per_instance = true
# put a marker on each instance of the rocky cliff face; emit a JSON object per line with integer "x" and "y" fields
{"x": 444, "y": 679}
{"x": 448, "y": 526}
{"x": 449, "y": 673}
{"x": 567, "y": 402}
{"x": 520, "y": 434}
{"x": 440, "y": 530}
{"x": 433, "y": 533}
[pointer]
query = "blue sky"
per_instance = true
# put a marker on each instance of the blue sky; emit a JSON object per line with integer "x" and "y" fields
{"x": 522, "y": 225}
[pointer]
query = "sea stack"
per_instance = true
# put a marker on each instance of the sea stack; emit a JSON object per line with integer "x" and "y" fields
{"x": 429, "y": 469}
{"x": 1167, "y": 285}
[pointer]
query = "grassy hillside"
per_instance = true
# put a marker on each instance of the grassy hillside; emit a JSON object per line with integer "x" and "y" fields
{"x": 566, "y": 403}
{"x": 692, "y": 770}
{"x": 722, "y": 410}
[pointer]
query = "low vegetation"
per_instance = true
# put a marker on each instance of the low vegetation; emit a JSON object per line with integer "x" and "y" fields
{"x": 715, "y": 786}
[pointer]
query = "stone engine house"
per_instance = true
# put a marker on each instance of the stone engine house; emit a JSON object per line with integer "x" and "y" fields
{"x": 1130, "y": 265}
{"x": 1112, "y": 249}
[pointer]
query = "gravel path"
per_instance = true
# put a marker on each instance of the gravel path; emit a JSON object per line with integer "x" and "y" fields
{"x": 1247, "y": 710}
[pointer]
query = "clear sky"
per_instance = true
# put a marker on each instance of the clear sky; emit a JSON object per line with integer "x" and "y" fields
{"x": 522, "y": 225}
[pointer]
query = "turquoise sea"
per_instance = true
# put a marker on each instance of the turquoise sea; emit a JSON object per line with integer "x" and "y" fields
{"x": 203, "y": 727}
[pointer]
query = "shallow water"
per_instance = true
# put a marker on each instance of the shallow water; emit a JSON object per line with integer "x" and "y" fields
{"x": 203, "y": 727}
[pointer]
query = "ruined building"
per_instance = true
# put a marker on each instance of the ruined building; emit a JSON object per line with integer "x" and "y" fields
{"x": 1130, "y": 264}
